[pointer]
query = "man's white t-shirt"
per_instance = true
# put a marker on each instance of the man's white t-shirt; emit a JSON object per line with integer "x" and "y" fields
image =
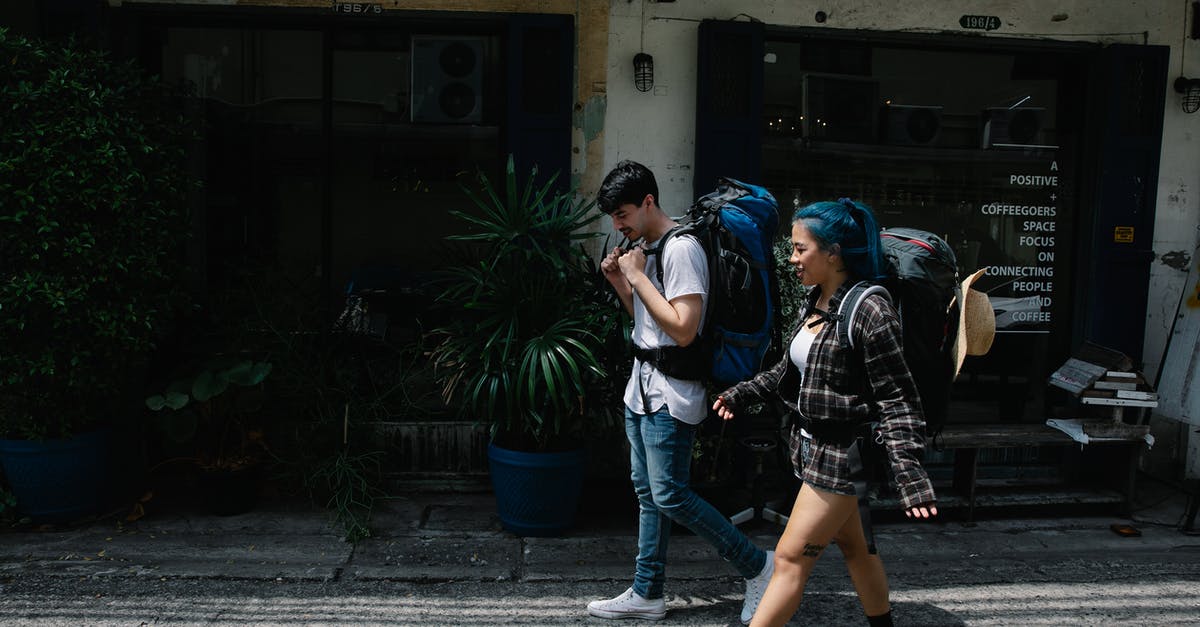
{"x": 685, "y": 271}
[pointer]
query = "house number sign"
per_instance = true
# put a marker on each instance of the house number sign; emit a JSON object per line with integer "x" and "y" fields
{"x": 357, "y": 8}
{"x": 979, "y": 22}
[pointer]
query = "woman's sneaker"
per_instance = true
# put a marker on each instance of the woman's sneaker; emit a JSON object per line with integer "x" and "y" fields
{"x": 755, "y": 587}
{"x": 629, "y": 604}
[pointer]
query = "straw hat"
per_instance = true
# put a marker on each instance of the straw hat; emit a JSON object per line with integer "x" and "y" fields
{"x": 976, "y": 323}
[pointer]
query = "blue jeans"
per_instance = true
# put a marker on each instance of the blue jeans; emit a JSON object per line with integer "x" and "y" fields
{"x": 661, "y": 457}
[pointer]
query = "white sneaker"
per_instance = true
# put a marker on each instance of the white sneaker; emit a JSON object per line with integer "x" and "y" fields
{"x": 755, "y": 586}
{"x": 629, "y": 604}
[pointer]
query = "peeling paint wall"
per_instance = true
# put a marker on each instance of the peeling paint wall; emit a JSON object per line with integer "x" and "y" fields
{"x": 587, "y": 165}
{"x": 1176, "y": 235}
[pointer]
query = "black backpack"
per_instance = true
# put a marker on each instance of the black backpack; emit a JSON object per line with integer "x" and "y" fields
{"x": 736, "y": 225}
{"x": 922, "y": 283}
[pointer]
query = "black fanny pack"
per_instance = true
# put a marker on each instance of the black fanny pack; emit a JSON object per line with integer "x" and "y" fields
{"x": 681, "y": 362}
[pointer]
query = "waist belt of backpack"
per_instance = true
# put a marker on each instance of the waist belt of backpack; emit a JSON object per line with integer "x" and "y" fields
{"x": 681, "y": 362}
{"x": 835, "y": 431}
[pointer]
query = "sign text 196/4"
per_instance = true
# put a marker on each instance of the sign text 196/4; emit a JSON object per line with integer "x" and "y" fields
{"x": 979, "y": 22}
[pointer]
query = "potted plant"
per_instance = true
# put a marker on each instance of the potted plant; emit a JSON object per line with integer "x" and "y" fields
{"x": 521, "y": 345}
{"x": 93, "y": 195}
{"x": 214, "y": 411}
{"x": 326, "y": 390}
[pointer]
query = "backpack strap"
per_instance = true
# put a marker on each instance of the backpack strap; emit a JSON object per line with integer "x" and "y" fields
{"x": 661, "y": 248}
{"x": 848, "y": 309}
{"x": 688, "y": 228}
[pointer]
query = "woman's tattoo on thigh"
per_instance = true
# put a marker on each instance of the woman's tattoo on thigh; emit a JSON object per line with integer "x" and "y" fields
{"x": 813, "y": 550}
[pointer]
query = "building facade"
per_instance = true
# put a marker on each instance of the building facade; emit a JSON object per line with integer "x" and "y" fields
{"x": 1045, "y": 142}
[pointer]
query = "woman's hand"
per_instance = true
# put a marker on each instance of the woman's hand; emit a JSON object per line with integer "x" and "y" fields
{"x": 723, "y": 410}
{"x": 924, "y": 510}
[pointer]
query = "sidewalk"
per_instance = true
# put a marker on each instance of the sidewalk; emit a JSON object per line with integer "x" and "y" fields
{"x": 457, "y": 537}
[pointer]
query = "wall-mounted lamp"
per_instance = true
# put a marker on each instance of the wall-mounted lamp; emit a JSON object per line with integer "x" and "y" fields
{"x": 1189, "y": 88}
{"x": 643, "y": 71}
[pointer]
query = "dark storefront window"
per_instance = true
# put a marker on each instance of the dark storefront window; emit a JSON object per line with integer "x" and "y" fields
{"x": 394, "y": 167}
{"x": 978, "y": 147}
{"x": 412, "y": 120}
{"x": 262, "y": 114}
{"x": 334, "y": 148}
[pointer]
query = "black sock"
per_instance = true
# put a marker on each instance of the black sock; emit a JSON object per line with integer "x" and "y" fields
{"x": 883, "y": 620}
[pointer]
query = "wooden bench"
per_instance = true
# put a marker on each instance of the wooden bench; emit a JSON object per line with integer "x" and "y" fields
{"x": 968, "y": 439}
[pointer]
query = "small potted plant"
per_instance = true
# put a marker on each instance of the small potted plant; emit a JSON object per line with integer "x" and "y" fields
{"x": 522, "y": 344}
{"x": 214, "y": 411}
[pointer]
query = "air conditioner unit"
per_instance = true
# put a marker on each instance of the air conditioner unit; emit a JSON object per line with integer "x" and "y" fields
{"x": 911, "y": 125}
{"x": 840, "y": 108}
{"x": 1017, "y": 127}
{"x": 447, "y": 79}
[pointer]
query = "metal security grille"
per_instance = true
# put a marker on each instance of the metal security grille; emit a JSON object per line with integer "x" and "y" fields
{"x": 731, "y": 89}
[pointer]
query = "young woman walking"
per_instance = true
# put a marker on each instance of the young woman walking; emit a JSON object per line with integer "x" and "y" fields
{"x": 835, "y": 391}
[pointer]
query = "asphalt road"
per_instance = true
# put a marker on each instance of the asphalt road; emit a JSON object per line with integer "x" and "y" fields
{"x": 441, "y": 559}
{"x": 1161, "y": 589}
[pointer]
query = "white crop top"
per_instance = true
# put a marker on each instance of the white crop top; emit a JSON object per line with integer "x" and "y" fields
{"x": 798, "y": 351}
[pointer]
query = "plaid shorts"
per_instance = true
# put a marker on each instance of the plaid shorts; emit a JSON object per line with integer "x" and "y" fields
{"x": 819, "y": 464}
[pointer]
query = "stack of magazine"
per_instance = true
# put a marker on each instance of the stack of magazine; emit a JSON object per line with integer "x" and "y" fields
{"x": 1077, "y": 375}
{"x": 1102, "y": 376}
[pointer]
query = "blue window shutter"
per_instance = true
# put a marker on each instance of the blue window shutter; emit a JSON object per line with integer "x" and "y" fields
{"x": 1132, "y": 89}
{"x": 540, "y": 84}
{"x": 729, "y": 97}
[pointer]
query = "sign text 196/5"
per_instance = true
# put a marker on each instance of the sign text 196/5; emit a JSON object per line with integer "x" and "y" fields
{"x": 357, "y": 8}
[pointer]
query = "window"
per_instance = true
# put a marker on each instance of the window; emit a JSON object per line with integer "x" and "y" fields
{"x": 979, "y": 147}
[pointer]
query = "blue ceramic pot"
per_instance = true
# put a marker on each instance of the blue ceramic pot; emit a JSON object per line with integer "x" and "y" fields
{"x": 59, "y": 480}
{"x": 537, "y": 494}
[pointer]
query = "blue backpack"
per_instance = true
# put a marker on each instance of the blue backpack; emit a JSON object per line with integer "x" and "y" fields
{"x": 736, "y": 225}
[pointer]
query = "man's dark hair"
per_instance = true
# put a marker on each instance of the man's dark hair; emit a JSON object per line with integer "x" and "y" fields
{"x": 627, "y": 183}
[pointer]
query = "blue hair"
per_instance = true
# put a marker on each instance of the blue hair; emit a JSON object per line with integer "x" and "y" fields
{"x": 852, "y": 228}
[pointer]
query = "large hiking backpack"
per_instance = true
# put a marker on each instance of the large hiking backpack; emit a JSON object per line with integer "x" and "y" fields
{"x": 736, "y": 225}
{"x": 922, "y": 283}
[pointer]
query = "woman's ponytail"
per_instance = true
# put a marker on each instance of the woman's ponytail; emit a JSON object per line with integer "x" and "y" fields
{"x": 865, "y": 260}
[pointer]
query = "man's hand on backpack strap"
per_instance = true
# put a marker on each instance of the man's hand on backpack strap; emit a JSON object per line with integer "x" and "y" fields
{"x": 633, "y": 264}
{"x": 611, "y": 267}
{"x": 924, "y": 510}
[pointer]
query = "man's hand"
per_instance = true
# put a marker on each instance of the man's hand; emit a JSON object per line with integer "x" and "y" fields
{"x": 612, "y": 269}
{"x": 633, "y": 263}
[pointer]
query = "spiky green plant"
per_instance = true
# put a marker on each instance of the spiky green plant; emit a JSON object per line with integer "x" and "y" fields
{"x": 521, "y": 343}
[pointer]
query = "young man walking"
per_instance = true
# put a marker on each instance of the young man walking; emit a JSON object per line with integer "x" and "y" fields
{"x": 663, "y": 411}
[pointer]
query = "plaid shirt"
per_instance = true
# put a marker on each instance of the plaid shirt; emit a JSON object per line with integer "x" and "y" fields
{"x": 850, "y": 386}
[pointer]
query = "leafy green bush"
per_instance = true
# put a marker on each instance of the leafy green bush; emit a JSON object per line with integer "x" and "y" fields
{"x": 791, "y": 292}
{"x": 93, "y": 186}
